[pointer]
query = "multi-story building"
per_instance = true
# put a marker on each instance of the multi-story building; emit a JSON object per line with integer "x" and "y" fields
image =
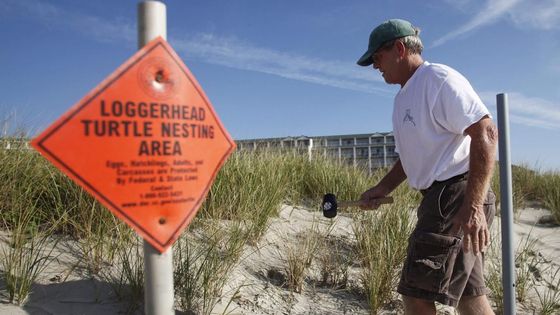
{"x": 12, "y": 143}
{"x": 368, "y": 151}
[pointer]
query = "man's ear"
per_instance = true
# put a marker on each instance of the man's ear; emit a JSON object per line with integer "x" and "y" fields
{"x": 401, "y": 48}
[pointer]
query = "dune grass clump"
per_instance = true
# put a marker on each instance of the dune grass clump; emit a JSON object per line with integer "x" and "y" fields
{"x": 252, "y": 185}
{"x": 29, "y": 180}
{"x": 26, "y": 255}
{"x": 549, "y": 299}
{"x": 531, "y": 185}
{"x": 382, "y": 240}
{"x": 334, "y": 262}
{"x": 550, "y": 187}
{"x": 58, "y": 205}
{"x": 22, "y": 264}
{"x": 22, "y": 175}
{"x": 526, "y": 180}
{"x": 251, "y": 188}
{"x": 519, "y": 190}
{"x": 127, "y": 275}
{"x": 324, "y": 174}
{"x": 530, "y": 266}
{"x": 540, "y": 187}
{"x": 299, "y": 256}
{"x": 203, "y": 261}
{"x": 29, "y": 247}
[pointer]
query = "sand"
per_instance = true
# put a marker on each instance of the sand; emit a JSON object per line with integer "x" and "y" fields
{"x": 257, "y": 280}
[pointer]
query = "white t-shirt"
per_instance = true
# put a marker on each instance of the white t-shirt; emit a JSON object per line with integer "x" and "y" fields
{"x": 430, "y": 115}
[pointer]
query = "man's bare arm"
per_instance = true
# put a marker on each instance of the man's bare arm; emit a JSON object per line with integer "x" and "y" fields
{"x": 471, "y": 217}
{"x": 385, "y": 186}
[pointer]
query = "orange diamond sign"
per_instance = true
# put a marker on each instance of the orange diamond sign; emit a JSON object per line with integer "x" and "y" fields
{"x": 146, "y": 143}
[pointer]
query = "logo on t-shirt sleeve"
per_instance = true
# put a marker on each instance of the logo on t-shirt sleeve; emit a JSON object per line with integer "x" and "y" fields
{"x": 408, "y": 118}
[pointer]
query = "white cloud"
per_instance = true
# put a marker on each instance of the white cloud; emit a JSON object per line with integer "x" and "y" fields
{"x": 105, "y": 31}
{"x": 42, "y": 10}
{"x": 524, "y": 14}
{"x": 533, "y": 122}
{"x": 459, "y": 4}
{"x": 234, "y": 53}
{"x": 208, "y": 48}
{"x": 528, "y": 111}
{"x": 543, "y": 14}
{"x": 493, "y": 10}
{"x": 53, "y": 16}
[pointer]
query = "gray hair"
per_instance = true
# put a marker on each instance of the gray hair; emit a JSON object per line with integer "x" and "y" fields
{"x": 413, "y": 42}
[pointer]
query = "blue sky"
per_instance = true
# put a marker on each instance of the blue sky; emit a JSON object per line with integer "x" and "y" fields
{"x": 288, "y": 68}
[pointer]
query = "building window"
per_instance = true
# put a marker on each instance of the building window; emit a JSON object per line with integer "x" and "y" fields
{"x": 347, "y": 142}
{"x": 333, "y": 143}
{"x": 348, "y": 153}
{"x": 332, "y": 152}
{"x": 362, "y": 152}
{"x": 303, "y": 143}
{"x": 362, "y": 141}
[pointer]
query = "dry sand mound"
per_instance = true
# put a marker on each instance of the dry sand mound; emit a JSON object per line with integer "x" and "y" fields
{"x": 258, "y": 283}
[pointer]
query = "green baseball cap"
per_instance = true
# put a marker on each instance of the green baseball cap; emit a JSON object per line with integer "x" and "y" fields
{"x": 383, "y": 33}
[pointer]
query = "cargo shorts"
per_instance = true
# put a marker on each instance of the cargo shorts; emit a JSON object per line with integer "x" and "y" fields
{"x": 436, "y": 267}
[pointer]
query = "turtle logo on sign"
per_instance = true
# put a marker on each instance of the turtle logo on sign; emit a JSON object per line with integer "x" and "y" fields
{"x": 146, "y": 142}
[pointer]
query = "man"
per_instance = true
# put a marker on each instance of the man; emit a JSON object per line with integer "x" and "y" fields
{"x": 446, "y": 142}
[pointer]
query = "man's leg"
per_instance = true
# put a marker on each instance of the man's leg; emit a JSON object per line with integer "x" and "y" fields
{"x": 475, "y": 305}
{"x": 414, "y": 306}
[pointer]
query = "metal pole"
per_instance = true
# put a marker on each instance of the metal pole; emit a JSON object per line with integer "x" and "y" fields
{"x": 152, "y": 21}
{"x": 158, "y": 267}
{"x": 158, "y": 281}
{"x": 506, "y": 207}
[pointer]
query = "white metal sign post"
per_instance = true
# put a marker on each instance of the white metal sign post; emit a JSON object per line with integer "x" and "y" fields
{"x": 158, "y": 268}
{"x": 136, "y": 167}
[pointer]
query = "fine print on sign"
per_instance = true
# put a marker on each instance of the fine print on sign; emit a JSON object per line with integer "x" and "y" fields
{"x": 146, "y": 143}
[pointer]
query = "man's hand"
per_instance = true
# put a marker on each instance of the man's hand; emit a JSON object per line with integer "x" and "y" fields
{"x": 475, "y": 229}
{"x": 368, "y": 200}
{"x": 387, "y": 184}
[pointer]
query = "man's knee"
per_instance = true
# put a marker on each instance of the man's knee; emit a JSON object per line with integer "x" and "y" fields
{"x": 418, "y": 306}
{"x": 475, "y": 305}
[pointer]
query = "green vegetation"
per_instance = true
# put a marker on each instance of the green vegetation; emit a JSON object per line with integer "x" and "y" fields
{"x": 549, "y": 185}
{"x": 202, "y": 263}
{"x": 530, "y": 266}
{"x": 382, "y": 242}
{"x": 528, "y": 185}
{"x": 39, "y": 206}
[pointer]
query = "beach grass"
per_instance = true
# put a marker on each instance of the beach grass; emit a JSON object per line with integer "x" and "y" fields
{"x": 39, "y": 204}
{"x": 334, "y": 262}
{"x": 127, "y": 275}
{"x": 550, "y": 189}
{"x": 382, "y": 240}
{"x": 549, "y": 298}
{"x": 299, "y": 255}
{"x": 203, "y": 261}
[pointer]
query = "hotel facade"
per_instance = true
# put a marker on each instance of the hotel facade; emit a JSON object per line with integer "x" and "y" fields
{"x": 368, "y": 151}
